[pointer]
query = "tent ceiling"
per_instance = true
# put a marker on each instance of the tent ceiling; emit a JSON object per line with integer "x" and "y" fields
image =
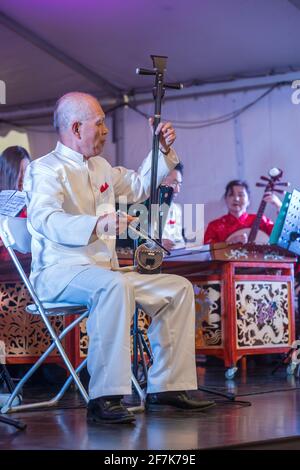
{"x": 204, "y": 39}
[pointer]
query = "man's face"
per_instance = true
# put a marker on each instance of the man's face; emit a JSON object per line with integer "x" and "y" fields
{"x": 174, "y": 179}
{"x": 93, "y": 131}
{"x": 237, "y": 200}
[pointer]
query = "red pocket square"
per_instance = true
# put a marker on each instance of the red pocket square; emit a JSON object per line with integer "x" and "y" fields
{"x": 104, "y": 187}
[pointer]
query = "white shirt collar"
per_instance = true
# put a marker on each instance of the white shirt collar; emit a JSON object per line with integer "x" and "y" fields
{"x": 69, "y": 153}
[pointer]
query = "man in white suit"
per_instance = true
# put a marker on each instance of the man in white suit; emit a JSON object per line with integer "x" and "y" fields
{"x": 71, "y": 200}
{"x": 172, "y": 237}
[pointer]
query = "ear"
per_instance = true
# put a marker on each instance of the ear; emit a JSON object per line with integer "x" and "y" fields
{"x": 76, "y": 129}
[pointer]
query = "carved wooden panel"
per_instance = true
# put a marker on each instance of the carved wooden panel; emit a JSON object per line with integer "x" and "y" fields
{"x": 262, "y": 310}
{"x": 208, "y": 314}
{"x": 83, "y": 339}
{"x": 23, "y": 334}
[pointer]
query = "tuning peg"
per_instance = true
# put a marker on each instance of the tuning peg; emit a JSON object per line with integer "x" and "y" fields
{"x": 283, "y": 184}
{"x": 261, "y": 185}
{"x": 280, "y": 191}
{"x": 265, "y": 178}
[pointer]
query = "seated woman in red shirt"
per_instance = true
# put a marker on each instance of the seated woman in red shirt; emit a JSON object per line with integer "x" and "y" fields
{"x": 237, "y": 198}
{"x": 13, "y": 163}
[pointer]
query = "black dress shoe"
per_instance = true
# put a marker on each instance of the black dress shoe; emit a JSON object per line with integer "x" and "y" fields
{"x": 107, "y": 410}
{"x": 180, "y": 399}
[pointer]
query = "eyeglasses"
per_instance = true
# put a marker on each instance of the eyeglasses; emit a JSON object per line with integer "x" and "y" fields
{"x": 176, "y": 183}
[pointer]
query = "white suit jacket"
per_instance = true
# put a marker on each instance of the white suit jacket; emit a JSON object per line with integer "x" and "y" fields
{"x": 173, "y": 226}
{"x": 65, "y": 196}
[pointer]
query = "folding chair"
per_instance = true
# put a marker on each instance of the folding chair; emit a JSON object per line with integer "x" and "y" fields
{"x": 15, "y": 236}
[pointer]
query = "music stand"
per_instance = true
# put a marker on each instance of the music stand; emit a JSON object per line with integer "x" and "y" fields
{"x": 286, "y": 234}
{"x": 286, "y": 231}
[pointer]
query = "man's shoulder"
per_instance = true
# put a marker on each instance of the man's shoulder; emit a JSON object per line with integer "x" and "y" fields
{"x": 48, "y": 164}
{"x": 47, "y": 159}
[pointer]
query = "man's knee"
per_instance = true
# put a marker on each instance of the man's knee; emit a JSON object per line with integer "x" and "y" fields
{"x": 184, "y": 285}
{"x": 121, "y": 284}
{"x": 114, "y": 283}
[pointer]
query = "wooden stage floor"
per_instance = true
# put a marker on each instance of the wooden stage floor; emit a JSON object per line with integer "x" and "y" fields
{"x": 273, "y": 419}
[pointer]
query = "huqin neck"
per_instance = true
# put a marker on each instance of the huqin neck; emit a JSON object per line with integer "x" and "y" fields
{"x": 256, "y": 223}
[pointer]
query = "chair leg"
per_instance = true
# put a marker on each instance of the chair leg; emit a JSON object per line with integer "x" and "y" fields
{"x": 144, "y": 349}
{"x": 47, "y": 404}
{"x": 139, "y": 348}
{"x": 43, "y": 315}
{"x": 63, "y": 354}
{"x": 8, "y": 406}
{"x": 44, "y": 404}
{"x": 135, "y": 342}
{"x": 140, "y": 393}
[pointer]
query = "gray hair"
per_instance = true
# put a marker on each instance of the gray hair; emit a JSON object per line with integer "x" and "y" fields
{"x": 74, "y": 106}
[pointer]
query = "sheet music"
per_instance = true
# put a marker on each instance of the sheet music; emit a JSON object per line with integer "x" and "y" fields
{"x": 12, "y": 202}
{"x": 4, "y": 197}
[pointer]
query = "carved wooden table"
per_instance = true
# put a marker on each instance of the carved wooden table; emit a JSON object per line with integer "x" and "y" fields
{"x": 244, "y": 301}
{"x": 244, "y": 306}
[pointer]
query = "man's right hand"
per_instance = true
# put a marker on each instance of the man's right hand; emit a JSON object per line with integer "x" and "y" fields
{"x": 113, "y": 223}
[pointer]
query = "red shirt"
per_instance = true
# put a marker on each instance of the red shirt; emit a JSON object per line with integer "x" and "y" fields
{"x": 218, "y": 230}
{"x": 23, "y": 213}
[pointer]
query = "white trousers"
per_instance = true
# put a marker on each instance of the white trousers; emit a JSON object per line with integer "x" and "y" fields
{"x": 112, "y": 296}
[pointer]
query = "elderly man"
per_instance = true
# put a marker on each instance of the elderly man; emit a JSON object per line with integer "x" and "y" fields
{"x": 71, "y": 199}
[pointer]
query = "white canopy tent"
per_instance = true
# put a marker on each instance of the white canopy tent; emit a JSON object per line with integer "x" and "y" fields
{"x": 228, "y": 53}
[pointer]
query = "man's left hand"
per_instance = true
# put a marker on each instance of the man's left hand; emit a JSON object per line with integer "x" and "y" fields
{"x": 167, "y": 134}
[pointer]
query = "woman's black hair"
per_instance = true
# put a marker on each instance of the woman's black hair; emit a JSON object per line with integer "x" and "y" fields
{"x": 233, "y": 183}
{"x": 10, "y": 161}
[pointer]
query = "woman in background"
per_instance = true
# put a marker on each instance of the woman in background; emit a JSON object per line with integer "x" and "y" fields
{"x": 13, "y": 163}
{"x": 235, "y": 225}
